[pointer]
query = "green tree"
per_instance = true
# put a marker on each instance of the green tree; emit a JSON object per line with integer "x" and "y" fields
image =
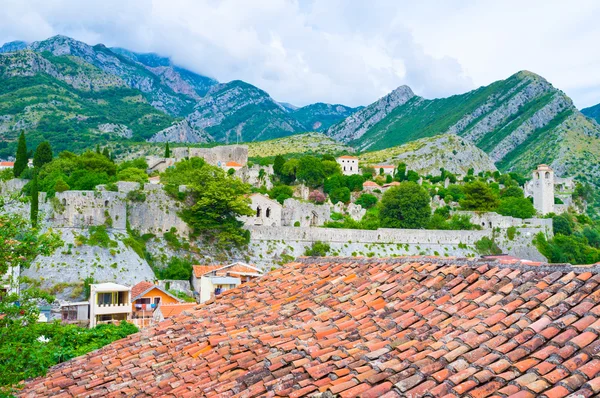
{"x": 43, "y": 154}
{"x": 289, "y": 171}
{"x": 318, "y": 249}
{"x": 400, "y": 174}
{"x": 341, "y": 194}
{"x": 21, "y": 159}
{"x": 98, "y": 151}
{"x": 562, "y": 224}
{"x": 106, "y": 153}
{"x": 331, "y": 167}
{"x": 281, "y": 192}
{"x": 167, "y": 151}
{"x": 354, "y": 182}
{"x": 512, "y": 191}
{"x": 405, "y": 206}
{"x": 310, "y": 171}
{"x": 278, "y": 165}
{"x": 479, "y": 197}
{"x": 132, "y": 174}
{"x": 516, "y": 207}
{"x": 215, "y": 201}
{"x": 366, "y": 200}
{"x": 35, "y": 200}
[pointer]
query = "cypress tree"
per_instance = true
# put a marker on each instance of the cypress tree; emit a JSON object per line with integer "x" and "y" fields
{"x": 43, "y": 154}
{"x": 34, "y": 200}
{"x": 21, "y": 156}
{"x": 106, "y": 153}
{"x": 98, "y": 149}
{"x": 167, "y": 151}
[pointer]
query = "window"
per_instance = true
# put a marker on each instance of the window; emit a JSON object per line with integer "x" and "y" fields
{"x": 258, "y": 211}
{"x": 106, "y": 203}
{"x": 268, "y": 213}
{"x": 143, "y": 300}
{"x": 156, "y": 300}
{"x": 547, "y": 174}
{"x": 105, "y": 298}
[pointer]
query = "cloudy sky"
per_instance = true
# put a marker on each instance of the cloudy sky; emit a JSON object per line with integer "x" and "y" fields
{"x": 339, "y": 51}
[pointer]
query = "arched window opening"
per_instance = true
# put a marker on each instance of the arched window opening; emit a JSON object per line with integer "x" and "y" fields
{"x": 258, "y": 211}
{"x": 268, "y": 212}
{"x": 547, "y": 174}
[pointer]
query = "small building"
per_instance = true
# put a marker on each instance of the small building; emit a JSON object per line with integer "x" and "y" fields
{"x": 231, "y": 165}
{"x": 348, "y": 164}
{"x": 6, "y": 165}
{"x": 154, "y": 180}
{"x": 77, "y": 313}
{"x": 385, "y": 169}
{"x": 266, "y": 211}
{"x": 391, "y": 184}
{"x": 109, "y": 303}
{"x": 370, "y": 186}
{"x": 211, "y": 280}
{"x": 146, "y": 299}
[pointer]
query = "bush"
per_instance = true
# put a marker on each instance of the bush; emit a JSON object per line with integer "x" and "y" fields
{"x": 516, "y": 207}
{"x": 318, "y": 249}
{"x": 316, "y": 197}
{"x": 340, "y": 195}
{"x": 405, "y": 206}
{"x": 136, "y": 195}
{"x": 281, "y": 192}
{"x": 562, "y": 224}
{"x": 479, "y": 197}
{"x": 177, "y": 268}
{"x": 367, "y": 200}
{"x": 487, "y": 246}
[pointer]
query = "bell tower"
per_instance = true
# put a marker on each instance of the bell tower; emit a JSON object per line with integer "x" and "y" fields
{"x": 543, "y": 189}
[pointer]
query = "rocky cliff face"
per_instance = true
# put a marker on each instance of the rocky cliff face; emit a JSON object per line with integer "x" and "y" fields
{"x": 238, "y": 111}
{"x": 181, "y": 132}
{"x": 427, "y": 155}
{"x": 320, "y": 116}
{"x": 593, "y": 112}
{"x": 357, "y": 124}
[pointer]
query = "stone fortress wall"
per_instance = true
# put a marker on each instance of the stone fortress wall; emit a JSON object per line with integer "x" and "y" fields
{"x": 216, "y": 156}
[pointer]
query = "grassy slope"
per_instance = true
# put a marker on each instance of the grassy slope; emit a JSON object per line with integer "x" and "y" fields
{"x": 592, "y": 112}
{"x": 299, "y": 143}
{"x": 67, "y": 117}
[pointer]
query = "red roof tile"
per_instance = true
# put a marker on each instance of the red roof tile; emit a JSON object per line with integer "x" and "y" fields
{"x": 141, "y": 287}
{"x": 364, "y": 327}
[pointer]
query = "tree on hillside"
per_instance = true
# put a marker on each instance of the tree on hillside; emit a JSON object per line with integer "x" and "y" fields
{"x": 43, "y": 154}
{"x": 98, "y": 151}
{"x": 106, "y": 153}
{"x": 479, "y": 197}
{"x": 516, "y": 207}
{"x": 35, "y": 200}
{"x": 167, "y": 151}
{"x": 310, "y": 171}
{"x": 215, "y": 201}
{"x": 405, "y": 206}
{"x": 21, "y": 156}
{"x": 278, "y": 165}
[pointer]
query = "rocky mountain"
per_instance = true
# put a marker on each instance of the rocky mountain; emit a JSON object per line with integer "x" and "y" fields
{"x": 320, "y": 116}
{"x": 238, "y": 111}
{"x": 592, "y": 112}
{"x": 359, "y": 123}
{"x": 181, "y": 132}
{"x": 317, "y": 143}
{"x": 69, "y": 102}
{"x": 519, "y": 122}
{"x": 428, "y": 155}
{"x": 13, "y": 46}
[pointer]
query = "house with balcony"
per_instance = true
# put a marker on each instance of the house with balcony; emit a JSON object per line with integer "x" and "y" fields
{"x": 147, "y": 298}
{"x": 211, "y": 280}
{"x": 109, "y": 303}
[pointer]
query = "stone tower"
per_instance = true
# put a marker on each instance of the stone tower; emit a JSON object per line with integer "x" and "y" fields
{"x": 543, "y": 189}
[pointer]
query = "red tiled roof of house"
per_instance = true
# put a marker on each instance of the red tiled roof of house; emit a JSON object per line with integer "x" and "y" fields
{"x": 370, "y": 184}
{"x": 141, "y": 287}
{"x": 7, "y": 164}
{"x": 347, "y": 157}
{"x": 232, "y": 164}
{"x": 200, "y": 270}
{"x": 402, "y": 327}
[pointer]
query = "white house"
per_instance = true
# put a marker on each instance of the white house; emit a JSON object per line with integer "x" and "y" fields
{"x": 109, "y": 302}
{"x": 266, "y": 211}
{"x": 349, "y": 164}
{"x": 211, "y": 280}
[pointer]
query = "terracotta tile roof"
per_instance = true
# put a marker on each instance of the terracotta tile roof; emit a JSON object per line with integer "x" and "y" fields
{"x": 347, "y": 157}
{"x": 370, "y": 184}
{"x": 7, "y": 164}
{"x": 171, "y": 310}
{"x": 144, "y": 287}
{"x": 403, "y": 327}
{"x": 141, "y": 287}
{"x": 200, "y": 270}
{"x": 233, "y": 164}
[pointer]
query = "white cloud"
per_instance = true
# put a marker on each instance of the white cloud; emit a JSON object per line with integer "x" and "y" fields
{"x": 340, "y": 51}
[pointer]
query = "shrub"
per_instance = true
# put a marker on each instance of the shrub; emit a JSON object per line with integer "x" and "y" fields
{"x": 516, "y": 207}
{"x": 367, "y": 200}
{"x": 487, "y": 246}
{"x": 340, "y": 195}
{"x": 318, "y": 249}
{"x": 405, "y": 206}
{"x": 316, "y": 197}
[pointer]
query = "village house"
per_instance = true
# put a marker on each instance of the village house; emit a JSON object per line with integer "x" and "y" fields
{"x": 6, "y": 165}
{"x": 385, "y": 169}
{"x": 231, "y": 165}
{"x": 154, "y": 180}
{"x": 370, "y": 186}
{"x": 109, "y": 303}
{"x": 77, "y": 313}
{"x": 211, "y": 280}
{"x": 146, "y": 299}
{"x": 348, "y": 164}
{"x": 391, "y": 184}
{"x": 266, "y": 211}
